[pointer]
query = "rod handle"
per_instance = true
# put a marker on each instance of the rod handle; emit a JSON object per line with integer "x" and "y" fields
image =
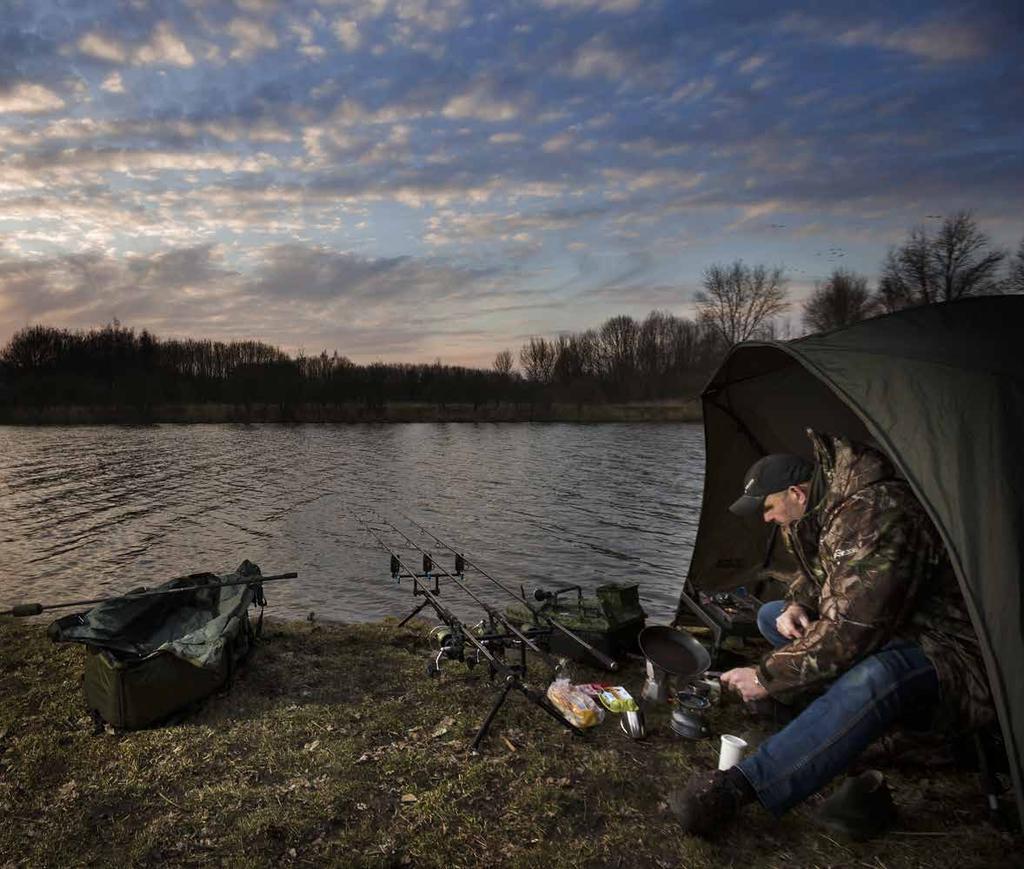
{"x": 26, "y": 609}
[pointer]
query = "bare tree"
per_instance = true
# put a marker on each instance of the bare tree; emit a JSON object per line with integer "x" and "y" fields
{"x": 963, "y": 261}
{"x": 843, "y": 298}
{"x": 739, "y": 301}
{"x": 1015, "y": 280}
{"x": 619, "y": 337}
{"x": 577, "y": 357}
{"x": 503, "y": 363}
{"x": 958, "y": 261}
{"x": 538, "y": 360}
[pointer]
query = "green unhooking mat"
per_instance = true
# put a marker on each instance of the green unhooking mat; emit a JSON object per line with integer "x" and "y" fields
{"x": 149, "y": 657}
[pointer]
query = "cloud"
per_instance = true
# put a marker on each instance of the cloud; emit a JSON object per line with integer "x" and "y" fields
{"x": 752, "y": 64}
{"x": 82, "y": 290}
{"x": 251, "y": 37}
{"x": 103, "y": 48}
{"x": 348, "y": 34}
{"x": 123, "y": 161}
{"x": 28, "y": 98}
{"x": 113, "y": 83}
{"x": 610, "y": 6}
{"x": 558, "y": 143}
{"x": 481, "y": 103}
{"x": 693, "y": 90}
{"x": 599, "y": 58}
{"x": 291, "y": 295}
{"x": 164, "y": 48}
{"x": 459, "y": 227}
{"x": 937, "y": 40}
{"x": 654, "y": 179}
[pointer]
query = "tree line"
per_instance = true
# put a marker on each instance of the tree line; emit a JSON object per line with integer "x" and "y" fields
{"x": 662, "y": 356}
{"x": 956, "y": 261}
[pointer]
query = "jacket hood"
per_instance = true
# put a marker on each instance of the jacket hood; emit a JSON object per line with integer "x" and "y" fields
{"x": 846, "y": 467}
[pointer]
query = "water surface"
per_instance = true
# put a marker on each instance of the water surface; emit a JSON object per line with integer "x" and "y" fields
{"x": 87, "y": 511}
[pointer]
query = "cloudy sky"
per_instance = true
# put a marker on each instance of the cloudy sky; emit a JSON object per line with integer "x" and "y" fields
{"x": 411, "y": 179}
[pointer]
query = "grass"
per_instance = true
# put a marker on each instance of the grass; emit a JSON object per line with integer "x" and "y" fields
{"x": 333, "y": 747}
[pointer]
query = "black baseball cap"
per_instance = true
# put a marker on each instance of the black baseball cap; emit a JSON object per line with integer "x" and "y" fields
{"x": 773, "y": 473}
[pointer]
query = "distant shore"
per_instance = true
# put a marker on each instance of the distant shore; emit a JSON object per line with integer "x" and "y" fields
{"x": 681, "y": 410}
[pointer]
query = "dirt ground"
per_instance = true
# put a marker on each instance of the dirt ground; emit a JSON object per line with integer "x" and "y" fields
{"x": 334, "y": 747}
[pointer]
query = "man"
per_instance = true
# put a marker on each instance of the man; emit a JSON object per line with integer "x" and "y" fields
{"x": 873, "y": 627}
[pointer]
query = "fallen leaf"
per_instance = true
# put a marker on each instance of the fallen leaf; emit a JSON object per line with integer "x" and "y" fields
{"x": 363, "y": 758}
{"x": 311, "y": 746}
{"x": 441, "y": 731}
{"x": 409, "y": 798}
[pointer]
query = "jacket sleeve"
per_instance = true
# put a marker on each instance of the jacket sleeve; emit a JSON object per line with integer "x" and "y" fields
{"x": 801, "y": 590}
{"x": 875, "y": 556}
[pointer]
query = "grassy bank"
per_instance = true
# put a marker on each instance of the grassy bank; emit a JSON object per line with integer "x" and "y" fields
{"x": 334, "y": 748}
{"x": 654, "y": 411}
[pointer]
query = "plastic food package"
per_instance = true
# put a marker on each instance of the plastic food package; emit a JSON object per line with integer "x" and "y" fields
{"x": 617, "y": 699}
{"x": 574, "y": 703}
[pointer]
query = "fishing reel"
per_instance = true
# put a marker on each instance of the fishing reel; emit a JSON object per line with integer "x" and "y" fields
{"x": 451, "y": 645}
{"x": 551, "y": 597}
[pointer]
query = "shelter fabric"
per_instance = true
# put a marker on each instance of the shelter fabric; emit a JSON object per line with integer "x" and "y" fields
{"x": 940, "y": 391}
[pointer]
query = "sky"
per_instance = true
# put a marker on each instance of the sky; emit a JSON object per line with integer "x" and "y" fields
{"x": 407, "y": 180}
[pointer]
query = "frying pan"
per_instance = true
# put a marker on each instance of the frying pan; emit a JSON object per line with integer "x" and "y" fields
{"x": 677, "y": 652}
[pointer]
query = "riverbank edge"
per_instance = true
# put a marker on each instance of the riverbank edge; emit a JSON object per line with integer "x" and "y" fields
{"x": 333, "y": 748}
{"x": 684, "y": 410}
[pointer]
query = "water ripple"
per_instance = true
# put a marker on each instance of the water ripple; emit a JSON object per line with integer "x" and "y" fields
{"x": 87, "y": 511}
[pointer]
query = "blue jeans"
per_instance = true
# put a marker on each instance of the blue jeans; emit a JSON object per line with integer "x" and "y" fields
{"x": 877, "y": 692}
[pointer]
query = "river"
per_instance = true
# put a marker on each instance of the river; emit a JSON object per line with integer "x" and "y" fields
{"x": 88, "y": 511}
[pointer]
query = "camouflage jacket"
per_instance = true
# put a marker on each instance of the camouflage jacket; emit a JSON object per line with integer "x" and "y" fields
{"x": 873, "y": 569}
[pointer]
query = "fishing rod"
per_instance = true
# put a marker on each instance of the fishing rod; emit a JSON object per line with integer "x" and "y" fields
{"x": 511, "y": 676}
{"x": 606, "y": 662}
{"x": 494, "y": 614}
{"x": 445, "y": 614}
{"x": 34, "y": 609}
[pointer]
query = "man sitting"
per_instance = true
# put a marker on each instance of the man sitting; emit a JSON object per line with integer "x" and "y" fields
{"x": 873, "y": 627}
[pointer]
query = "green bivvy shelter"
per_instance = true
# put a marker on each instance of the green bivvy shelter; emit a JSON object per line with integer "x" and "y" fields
{"x": 940, "y": 390}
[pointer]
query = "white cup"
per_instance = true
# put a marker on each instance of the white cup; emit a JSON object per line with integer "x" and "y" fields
{"x": 732, "y": 751}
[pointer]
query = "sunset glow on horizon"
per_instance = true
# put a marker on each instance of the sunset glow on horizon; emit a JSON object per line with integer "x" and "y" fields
{"x": 405, "y": 180}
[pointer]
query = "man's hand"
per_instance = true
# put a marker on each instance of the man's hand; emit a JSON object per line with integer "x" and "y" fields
{"x": 743, "y": 680}
{"x": 793, "y": 622}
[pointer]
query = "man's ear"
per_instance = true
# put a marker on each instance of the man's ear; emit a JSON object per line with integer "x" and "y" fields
{"x": 799, "y": 494}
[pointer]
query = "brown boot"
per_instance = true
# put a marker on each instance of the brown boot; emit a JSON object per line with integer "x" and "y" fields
{"x": 710, "y": 800}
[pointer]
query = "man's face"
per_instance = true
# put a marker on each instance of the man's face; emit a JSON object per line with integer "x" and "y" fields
{"x": 784, "y": 508}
